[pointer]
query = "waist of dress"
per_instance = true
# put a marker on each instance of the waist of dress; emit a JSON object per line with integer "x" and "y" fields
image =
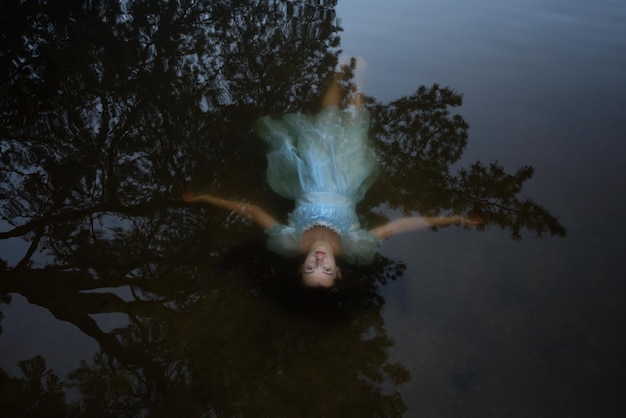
{"x": 325, "y": 199}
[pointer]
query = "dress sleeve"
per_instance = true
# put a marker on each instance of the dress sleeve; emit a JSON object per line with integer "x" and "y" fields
{"x": 283, "y": 240}
{"x": 359, "y": 246}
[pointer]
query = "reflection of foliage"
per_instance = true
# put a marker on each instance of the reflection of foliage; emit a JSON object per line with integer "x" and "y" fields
{"x": 232, "y": 355}
{"x": 261, "y": 51}
{"x": 419, "y": 141}
{"x": 105, "y": 388}
{"x": 493, "y": 194}
{"x": 38, "y": 394}
{"x": 419, "y": 129}
{"x": 105, "y": 112}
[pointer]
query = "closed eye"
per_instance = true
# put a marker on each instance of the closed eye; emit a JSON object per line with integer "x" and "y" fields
{"x": 325, "y": 270}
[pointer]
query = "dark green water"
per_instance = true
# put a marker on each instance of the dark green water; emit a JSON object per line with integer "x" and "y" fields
{"x": 118, "y": 300}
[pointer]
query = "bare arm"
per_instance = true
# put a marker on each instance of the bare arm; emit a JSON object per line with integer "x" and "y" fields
{"x": 253, "y": 212}
{"x": 402, "y": 225}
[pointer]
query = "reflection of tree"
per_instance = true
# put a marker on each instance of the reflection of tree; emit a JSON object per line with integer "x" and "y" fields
{"x": 215, "y": 347}
{"x": 107, "y": 108}
{"x": 106, "y": 111}
{"x": 232, "y": 354}
{"x": 420, "y": 141}
{"x": 38, "y": 394}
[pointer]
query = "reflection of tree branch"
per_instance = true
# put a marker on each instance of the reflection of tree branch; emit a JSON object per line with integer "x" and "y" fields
{"x": 36, "y": 280}
{"x": 35, "y": 290}
{"x": 31, "y": 249}
{"x": 418, "y": 142}
{"x": 66, "y": 302}
{"x": 139, "y": 209}
{"x": 493, "y": 202}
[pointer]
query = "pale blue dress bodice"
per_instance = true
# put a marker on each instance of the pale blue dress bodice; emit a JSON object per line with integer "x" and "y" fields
{"x": 325, "y": 164}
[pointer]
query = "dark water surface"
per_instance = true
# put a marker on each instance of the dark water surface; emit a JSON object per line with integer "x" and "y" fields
{"x": 118, "y": 300}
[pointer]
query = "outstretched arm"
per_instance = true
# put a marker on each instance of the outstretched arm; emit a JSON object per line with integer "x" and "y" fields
{"x": 402, "y": 225}
{"x": 258, "y": 215}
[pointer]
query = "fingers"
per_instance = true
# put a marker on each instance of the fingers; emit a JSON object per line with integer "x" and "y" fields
{"x": 476, "y": 222}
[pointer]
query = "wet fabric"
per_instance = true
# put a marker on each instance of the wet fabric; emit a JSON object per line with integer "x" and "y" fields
{"x": 325, "y": 164}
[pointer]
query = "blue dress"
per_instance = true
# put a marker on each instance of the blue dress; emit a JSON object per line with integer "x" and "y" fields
{"x": 325, "y": 164}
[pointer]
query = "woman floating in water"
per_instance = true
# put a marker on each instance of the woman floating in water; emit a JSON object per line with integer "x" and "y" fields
{"x": 325, "y": 164}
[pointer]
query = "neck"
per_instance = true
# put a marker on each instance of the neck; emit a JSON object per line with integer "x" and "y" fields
{"x": 320, "y": 236}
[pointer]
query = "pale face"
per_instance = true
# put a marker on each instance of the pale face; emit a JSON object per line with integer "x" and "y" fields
{"x": 319, "y": 268}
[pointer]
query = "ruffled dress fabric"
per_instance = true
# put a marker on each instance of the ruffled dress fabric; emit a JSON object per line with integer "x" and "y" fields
{"x": 325, "y": 164}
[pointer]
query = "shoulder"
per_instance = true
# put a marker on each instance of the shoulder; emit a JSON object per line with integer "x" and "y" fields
{"x": 283, "y": 240}
{"x": 359, "y": 246}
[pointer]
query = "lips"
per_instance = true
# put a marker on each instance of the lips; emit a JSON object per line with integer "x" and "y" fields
{"x": 320, "y": 253}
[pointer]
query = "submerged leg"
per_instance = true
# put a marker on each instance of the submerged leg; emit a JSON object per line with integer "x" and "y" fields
{"x": 334, "y": 93}
{"x": 332, "y": 97}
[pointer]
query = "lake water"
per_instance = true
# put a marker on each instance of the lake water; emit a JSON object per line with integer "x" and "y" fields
{"x": 143, "y": 306}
